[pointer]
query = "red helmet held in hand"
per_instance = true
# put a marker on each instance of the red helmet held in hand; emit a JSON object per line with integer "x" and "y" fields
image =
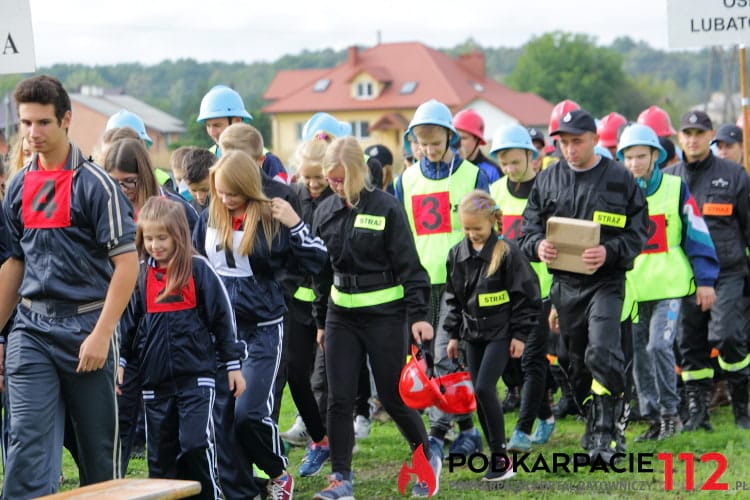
{"x": 458, "y": 393}
{"x": 417, "y": 389}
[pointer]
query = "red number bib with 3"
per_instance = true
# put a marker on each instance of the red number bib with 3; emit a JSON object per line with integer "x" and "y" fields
{"x": 432, "y": 213}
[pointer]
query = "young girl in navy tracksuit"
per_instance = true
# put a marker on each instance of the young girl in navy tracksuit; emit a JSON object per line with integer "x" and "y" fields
{"x": 492, "y": 300}
{"x": 250, "y": 240}
{"x": 178, "y": 316}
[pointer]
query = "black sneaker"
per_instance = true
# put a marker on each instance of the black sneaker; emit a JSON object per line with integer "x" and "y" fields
{"x": 652, "y": 432}
{"x": 670, "y": 425}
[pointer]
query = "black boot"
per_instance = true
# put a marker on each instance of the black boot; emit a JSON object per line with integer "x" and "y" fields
{"x": 604, "y": 413}
{"x": 512, "y": 399}
{"x": 588, "y": 421}
{"x": 697, "y": 409}
{"x": 566, "y": 405}
{"x": 739, "y": 394}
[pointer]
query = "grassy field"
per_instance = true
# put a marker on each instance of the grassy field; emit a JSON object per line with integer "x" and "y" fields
{"x": 379, "y": 459}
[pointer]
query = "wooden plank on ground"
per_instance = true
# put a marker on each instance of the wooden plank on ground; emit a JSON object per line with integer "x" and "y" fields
{"x": 132, "y": 489}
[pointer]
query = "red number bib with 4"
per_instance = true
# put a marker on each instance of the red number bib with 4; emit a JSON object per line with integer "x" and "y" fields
{"x": 45, "y": 202}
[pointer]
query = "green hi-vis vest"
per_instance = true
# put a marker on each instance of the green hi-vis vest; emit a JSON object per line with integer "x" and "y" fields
{"x": 512, "y": 208}
{"x": 161, "y": 176}
{"x": 432, "y": 208}
{"x": 662, "y": 270}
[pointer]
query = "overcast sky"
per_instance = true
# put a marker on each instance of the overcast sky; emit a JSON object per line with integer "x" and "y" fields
{"x": 106, "y": 32}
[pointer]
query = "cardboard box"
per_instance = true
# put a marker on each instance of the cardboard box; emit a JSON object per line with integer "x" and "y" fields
{"x": 571, "y": 237}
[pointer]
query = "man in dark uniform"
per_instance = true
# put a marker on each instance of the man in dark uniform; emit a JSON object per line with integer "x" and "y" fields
{"x": 73, "y": 264}
{"x": 586, "y": 186}
{"x": 721, "y": 189}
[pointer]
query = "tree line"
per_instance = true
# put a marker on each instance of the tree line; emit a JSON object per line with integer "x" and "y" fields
{"x": 625, "y": 76}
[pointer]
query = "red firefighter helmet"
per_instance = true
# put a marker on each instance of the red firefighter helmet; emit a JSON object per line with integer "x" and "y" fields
{"x": 458, "y": 393}
{"x": 470, "y": 122}
{"x": 417, "y": 389}
{"x": 608, "y": 128}
{"x": 560, "y": 110}
{"x": 658, "y": 120}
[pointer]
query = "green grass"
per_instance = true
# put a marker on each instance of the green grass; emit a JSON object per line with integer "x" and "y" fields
{"x": 377, "y": 463}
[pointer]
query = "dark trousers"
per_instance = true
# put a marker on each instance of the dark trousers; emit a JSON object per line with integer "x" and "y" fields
{"x": 349, "y": 336}
{"x": 723, "y": 327}
{"x": 589, "y": 314}
{"x": 130, "y": 411}
{"x": 303, "y": 346}
{"x": 41, "y": 362}
{"x": 535, "y": 367}
{"x": 179, "y": 430}
{"x": 487, "y": 361}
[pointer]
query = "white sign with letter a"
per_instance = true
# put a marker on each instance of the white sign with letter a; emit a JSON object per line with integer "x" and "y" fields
{"x": 16, "y": 37}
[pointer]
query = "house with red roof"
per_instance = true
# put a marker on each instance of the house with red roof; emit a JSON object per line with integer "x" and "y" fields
{"x": 378, "y": 89}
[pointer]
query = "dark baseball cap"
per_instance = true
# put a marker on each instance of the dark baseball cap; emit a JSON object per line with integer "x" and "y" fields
{"x": 576, "y": 122}
{"x": 696, "y": 119}
{"x": 536, "y": 135}
{"x": 382, "y": 153}
{"x": 730, "y": 134}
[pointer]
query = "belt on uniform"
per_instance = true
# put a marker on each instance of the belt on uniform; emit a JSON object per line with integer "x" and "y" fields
{"x": 351, "y": 281}
{"x": 60, "y": 309}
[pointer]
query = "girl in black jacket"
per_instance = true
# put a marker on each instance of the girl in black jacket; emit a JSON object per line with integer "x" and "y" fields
{"x": 492, "y": 299}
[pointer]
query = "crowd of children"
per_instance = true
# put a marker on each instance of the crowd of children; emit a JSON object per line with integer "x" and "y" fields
{"x": 190, "y": 300}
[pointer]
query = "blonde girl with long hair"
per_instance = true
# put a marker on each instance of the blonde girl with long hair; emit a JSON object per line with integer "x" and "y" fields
{"x": 492, "y": 302}
{"x": 250, "y": 239}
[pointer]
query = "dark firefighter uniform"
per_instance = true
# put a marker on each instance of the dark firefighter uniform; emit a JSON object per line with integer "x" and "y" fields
{"x": 721, "y": 189}
{"x": 590, "y": 306}
{"x": 372, "y": 287}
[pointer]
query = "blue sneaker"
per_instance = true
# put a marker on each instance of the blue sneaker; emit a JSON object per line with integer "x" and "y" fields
{"x": 315, "y": 458}
{"x": 338, "y": 489}
{"x": 468, "y": 442}
{"x": 542, "y": 432}
{"x": 519, "y": 441}
{"x": 422, "y": 489}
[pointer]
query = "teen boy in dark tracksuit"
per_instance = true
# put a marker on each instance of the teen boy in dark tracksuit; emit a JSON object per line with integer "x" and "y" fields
{"x": 174, "y": 347}
{"x": 589, "y": 187}
{"x": 73, "y": 263}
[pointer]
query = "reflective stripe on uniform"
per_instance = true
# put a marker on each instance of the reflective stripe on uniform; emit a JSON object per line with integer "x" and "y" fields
{"x": 366, "y": 299}
{"x": 734, "y": 367}
{"x": 705, "y": 373}
{"x": 304, "y": 294}
{"x": 599, "y": 389}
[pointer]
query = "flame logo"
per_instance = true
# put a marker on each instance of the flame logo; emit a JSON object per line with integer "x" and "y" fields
{"x": 421, "y": 468}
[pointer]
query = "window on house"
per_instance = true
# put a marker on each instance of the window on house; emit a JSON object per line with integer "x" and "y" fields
{"x": 365, "y": 90}
{"x": 408, "y": 87}
{"x": 298, "y": 130}
{"x": 321, "y": 85}
{"x": 361, "y": 129}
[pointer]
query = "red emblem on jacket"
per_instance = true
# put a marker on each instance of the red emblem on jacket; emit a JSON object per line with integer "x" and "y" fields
{"x": 156, "y": 282}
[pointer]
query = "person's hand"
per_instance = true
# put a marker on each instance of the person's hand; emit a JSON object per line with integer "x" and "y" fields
{"x": 452, "y": 348}
{"x": 283, "y": 212}
{"x": 516, "y": 348}
{"x": 120, "y": 377}
{"x": 93, "y": 352}
{"x": 594, "y": 257}
{"x": 554, "y": 321}
{"x": 236, "y": 382}
{"x": 705, "y": 297}
{"x": 421, "y": 331}
{"x": 546, "y": 251}
{"x": 321, "y": 338}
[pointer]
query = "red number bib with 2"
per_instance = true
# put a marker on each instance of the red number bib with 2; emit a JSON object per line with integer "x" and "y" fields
{"x": 45, "y": 202}
{"x": 432, "y": 213}
{"x": 657, "y": 234}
